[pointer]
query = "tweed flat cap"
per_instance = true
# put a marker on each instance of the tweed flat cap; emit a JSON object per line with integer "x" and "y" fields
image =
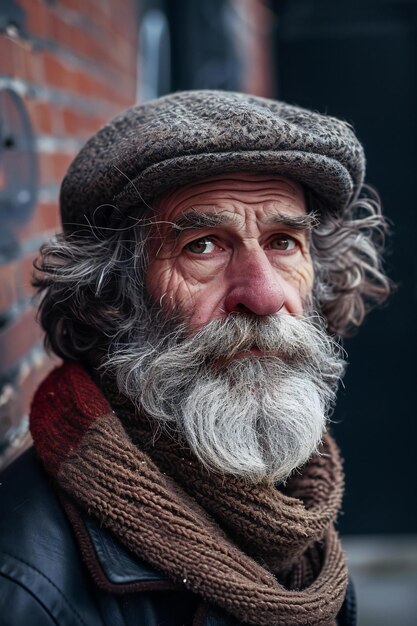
{"x": 188, "y": 136}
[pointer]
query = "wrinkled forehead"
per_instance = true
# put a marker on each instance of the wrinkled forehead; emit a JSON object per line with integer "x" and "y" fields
{"x": 243, "y": 187}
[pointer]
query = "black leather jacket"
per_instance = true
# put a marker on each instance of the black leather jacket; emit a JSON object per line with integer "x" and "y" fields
{"x": 44, "y": 581}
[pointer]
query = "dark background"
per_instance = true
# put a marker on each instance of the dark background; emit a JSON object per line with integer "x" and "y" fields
{"x": 357, "y": 61}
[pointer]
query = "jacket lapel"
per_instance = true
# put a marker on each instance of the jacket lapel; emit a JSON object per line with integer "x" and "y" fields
{"x": 112, "y": 566}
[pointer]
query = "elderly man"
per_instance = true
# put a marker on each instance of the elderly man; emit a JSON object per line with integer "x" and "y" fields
{"x": 213, "y": 246}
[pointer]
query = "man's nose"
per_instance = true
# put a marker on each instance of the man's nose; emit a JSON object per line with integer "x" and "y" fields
{"x": 254, "y": 286}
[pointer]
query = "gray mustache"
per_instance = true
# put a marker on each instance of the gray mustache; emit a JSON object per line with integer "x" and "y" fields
{"x": 284, "y": 336}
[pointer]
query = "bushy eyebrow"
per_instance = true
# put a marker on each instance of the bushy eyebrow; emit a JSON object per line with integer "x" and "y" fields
{"x": 296, "y": 222}
{"x": 195, "y": 220}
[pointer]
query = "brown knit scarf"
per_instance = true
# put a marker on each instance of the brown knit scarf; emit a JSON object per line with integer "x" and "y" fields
{"x": 269, "y": 556}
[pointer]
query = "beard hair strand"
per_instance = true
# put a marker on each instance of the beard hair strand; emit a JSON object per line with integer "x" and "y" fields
{"x": 255, "y": 417}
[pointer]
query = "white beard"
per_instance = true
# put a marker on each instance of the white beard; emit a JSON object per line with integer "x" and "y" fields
{"x": 255, "y": 417}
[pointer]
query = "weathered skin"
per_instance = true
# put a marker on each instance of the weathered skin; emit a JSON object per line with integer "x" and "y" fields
{"x": 251, "y": 257}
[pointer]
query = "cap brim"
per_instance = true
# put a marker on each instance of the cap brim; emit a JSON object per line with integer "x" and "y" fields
{"x": 325, "y": 176}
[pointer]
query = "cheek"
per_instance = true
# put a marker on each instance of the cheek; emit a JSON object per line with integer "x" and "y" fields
{"x": 176, "y": 289}
{"x": 303, "y": 278}
{"x": 162, "y": 282}
{"x": 299, "y": 286}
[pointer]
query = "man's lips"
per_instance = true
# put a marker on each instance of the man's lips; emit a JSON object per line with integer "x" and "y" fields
{"x": 224, "y": 360}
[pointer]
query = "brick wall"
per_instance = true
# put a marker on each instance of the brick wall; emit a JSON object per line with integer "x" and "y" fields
{"x": 73, "y": 64}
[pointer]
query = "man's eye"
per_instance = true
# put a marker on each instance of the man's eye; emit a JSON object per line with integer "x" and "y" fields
{"x": 201, "y": 246}
{"x": 283, "y": 242}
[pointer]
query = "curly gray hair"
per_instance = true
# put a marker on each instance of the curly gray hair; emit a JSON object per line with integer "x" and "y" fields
{"x": 94, "y": 295}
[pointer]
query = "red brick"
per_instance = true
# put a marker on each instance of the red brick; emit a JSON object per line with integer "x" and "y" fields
{"x": 56, "y": 72}
{"x": 90, "y": 47}
{"x": 85, "y": 84}
{"x": 81, "y": 43}
{"x": 41, "y": 115}
{"x": 19, "y": 59}
{"x": 61, "y": 163}
{"x": 31, "y": 107}
{"x": 102, "y": 20}
{"x": 6, "y": 56}
{"x": 45, "y": 169}
{"x": 34, "y": 68}
{"x": 101, "y": 8}
{"x": 115, "y": 17}
{"x": 45, "y": 219}
{"x": 108, "y": 89}
{"x": 66, "y": 35}
{"x": 79, "y": 124}
{"x": 48, "y": 217}
{"x": 122, "y": 14}
{"x": 8, "y": 290}
{"x": 17, "y": 338}
{"x": 52, "y": 69}
{"x": 45, "y": 117}
{"x": 100, "y": 44}
{"x": 26, "y": 5}
{"x": 120, "y": 52}
{"x": 122, "y": 101}
{"x": 53, "y": 167}
{"x": 15, "y": 57}
{"x": 28, "y": 60}
{"x": 74, "y": 5}
{"x": 93, "y": 88}
{"x": 60, "y": 74}
{"x": 72, "y": 121}
{"x": 15, "y": 282}
{"x": 92, "y": 123}
{"x": 38, "y": 18}
{"x": 89, "y": 10}
{"x": 24, "y": 277}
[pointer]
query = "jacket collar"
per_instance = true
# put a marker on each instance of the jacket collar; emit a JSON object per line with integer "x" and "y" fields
{"x": 111, "y": 565}
{"x": 119, "y": 565}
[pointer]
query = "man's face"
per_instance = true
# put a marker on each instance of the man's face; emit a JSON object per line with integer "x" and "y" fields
{"x": 230, "y": 269}
{"x": 236, "y": 243}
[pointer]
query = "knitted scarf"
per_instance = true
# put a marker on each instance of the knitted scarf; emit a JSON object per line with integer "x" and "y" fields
{"x": 268, "y": 556}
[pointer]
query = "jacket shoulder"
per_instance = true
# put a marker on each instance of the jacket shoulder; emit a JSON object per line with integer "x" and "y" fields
{"x": 42, "y": 578}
